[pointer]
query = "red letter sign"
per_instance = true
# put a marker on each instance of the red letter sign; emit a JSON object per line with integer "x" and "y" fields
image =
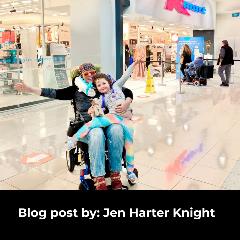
{"x": 178, "y": 5}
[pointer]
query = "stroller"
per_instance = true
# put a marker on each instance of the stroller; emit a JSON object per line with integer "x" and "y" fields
{"x": 79, "y": 156}
{"x": 199, "y": 76}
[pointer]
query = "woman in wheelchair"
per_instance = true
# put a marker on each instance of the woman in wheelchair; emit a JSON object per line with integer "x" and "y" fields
{"x": 96, "y": 137}
{"x": 111, "y": 96}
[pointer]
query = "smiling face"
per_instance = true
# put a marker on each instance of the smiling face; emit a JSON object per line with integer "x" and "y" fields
{"x": 103, "y": 85}
{"x": 87, "y": 75}
{"x": 87, "y": 71}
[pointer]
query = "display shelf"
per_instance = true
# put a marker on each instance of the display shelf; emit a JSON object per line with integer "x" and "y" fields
{"x": 8, "y": 78}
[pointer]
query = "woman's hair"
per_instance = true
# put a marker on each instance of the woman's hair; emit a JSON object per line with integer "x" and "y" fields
{"x": 187, "y": 49}
{"x": 86, "y": 67}
{"x": 101, "y": 75}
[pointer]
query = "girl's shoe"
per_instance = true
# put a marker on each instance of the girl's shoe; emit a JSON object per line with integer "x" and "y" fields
{"x": 132, "y": 177}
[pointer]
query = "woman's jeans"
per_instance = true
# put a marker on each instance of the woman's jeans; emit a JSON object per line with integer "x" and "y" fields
{"x": 182, "y": 68}
{"x": 96, "y": 147}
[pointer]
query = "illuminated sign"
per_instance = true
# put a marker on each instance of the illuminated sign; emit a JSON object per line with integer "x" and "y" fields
{"x": 182, "y": 7}
{"x": 177, "y": 5}
{"x": 236, "y": 15}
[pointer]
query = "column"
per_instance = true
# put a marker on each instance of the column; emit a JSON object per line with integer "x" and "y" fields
{"x": 93, "y": 34}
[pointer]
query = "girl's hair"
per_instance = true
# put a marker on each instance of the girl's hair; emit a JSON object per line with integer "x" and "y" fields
{"x": 187, "y": 49}
{"x": 101, "y": 75}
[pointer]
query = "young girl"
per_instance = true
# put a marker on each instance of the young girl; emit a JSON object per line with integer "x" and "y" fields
{"x": 111, "y": 96}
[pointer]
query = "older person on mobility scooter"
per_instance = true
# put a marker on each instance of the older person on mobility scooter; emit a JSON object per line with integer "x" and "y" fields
{"x": 96, "y": 137}
{"x": 193, "y": 72}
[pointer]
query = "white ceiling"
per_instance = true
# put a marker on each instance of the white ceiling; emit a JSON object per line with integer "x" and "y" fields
{"x": 227, "y": 6}
{"x": 56, "y": 11}
{"x": 29, "y": 11}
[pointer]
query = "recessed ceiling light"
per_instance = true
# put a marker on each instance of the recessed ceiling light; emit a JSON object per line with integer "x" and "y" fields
{"x": 26, "y": 1}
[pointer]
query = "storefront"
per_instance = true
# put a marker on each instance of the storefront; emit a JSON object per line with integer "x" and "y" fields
{"x": 42, "y": 39}
{"x": 159, "y": 24}
{"x": 35, "y": 42}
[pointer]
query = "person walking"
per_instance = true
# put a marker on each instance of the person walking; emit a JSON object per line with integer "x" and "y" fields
{"x": 148, "y": 56}
{"x": 225, "y": 62}
{"x": 127, "y": 57}
{"x": 185, "y": 58}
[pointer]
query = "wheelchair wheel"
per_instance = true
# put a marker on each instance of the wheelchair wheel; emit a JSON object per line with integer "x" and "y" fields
{"x": 196, "y": 83}
{"x": 87, "y": 185}
{"x": 136, "y": 173}
{"x": 183, "y": 81}
{"x": 204, "y": 82}
{"x": 72, "y": 159}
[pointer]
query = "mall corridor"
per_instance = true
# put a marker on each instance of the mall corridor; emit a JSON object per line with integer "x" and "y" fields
{"x": 182, "y": 141}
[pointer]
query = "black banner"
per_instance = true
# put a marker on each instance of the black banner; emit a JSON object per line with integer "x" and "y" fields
{"x": 212, "y": 208}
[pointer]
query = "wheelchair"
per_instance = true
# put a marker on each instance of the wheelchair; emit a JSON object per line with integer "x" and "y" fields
{"x": 199, "y": 76}
{"x": 79, "y": 157}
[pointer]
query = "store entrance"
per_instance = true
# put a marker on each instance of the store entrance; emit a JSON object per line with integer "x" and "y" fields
{"x": 156, "y": 42}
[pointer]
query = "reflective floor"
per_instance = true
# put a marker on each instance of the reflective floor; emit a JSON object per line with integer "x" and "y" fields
{"x": 182, "y": 141}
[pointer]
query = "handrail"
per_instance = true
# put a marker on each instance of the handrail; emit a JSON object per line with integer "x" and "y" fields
{"x": 235, "y": 60}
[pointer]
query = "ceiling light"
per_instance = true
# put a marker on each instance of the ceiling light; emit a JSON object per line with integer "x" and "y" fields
{"x": 26, "y": 1}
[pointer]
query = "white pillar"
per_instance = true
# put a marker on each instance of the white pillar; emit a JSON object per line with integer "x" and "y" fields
{"x": 29, "y": 54}
{"x": 93, "y": 34}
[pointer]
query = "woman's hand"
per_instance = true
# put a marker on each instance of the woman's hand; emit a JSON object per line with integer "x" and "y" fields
{"x": 22, "y": 87}
{"x": 122, "y": 108}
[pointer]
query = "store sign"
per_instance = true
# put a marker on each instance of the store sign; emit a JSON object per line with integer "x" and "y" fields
{"x": 182, "y": 7}
{"x": 235, "y": 14}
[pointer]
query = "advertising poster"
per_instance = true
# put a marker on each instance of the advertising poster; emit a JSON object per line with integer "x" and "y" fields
{"x": 196, "y": 44}
{"x": 60, "y": 71}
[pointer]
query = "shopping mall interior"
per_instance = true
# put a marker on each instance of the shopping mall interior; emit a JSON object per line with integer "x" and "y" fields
{"x": 185, "y": 135}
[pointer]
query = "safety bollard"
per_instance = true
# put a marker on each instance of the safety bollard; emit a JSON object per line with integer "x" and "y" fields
{"x": 162, "y": 84}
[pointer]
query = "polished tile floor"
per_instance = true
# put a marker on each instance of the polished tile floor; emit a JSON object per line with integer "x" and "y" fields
{"x": 182, "y": 141}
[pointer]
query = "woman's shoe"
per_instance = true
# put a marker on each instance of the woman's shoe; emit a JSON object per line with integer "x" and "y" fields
{"x": 100, "y": 183}
{"x": 116, "y": 181}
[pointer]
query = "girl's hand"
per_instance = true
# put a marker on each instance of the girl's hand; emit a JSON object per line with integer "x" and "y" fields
{"x": 138, "y": 60}
{"x": 91, "y": 111}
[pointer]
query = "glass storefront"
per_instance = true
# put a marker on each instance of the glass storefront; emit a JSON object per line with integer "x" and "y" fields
{"x": 155, "y": 41}
{"x": 35, "y": 47}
